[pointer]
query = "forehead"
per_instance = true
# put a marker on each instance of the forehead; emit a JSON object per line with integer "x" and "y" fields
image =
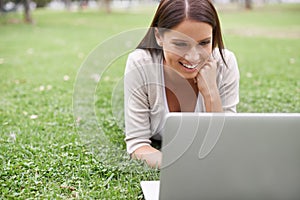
{"x": 190, "y": 30}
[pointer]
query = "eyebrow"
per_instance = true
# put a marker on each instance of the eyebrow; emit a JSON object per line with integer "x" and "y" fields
{"x": 209, "y": 38}
{"x": 182, "y": 40}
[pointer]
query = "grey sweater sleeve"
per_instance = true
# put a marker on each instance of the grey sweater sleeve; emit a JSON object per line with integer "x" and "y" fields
{"x": 136, "y": 104}
{"x": 229, "y": 83}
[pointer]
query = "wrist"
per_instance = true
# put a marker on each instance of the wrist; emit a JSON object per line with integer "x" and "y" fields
{"x": 210, "y": 93}
{"x": 212, "y": 101}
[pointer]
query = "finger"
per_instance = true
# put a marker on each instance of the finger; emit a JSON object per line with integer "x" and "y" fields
{"x": 212, "y": 62}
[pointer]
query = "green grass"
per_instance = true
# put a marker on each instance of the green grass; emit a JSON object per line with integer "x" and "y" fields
{"x": 46, "y": 152}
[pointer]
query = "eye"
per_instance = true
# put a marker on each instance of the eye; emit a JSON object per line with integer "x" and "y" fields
{"x": 203, "y": 43}
{"x": 180, "y": 44}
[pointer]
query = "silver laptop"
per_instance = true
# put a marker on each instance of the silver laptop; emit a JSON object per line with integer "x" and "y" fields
{"x": 228, "y": 156}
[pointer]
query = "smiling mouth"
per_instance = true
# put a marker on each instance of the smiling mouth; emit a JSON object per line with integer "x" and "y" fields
{"x": 189, "y": 66}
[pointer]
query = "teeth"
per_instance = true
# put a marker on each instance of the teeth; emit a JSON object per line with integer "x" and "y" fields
{"x": 190, "y": 66}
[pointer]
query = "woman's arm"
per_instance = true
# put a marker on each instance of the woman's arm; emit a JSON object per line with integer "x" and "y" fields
{"x": 222, "y": 96}
{"x": 148, "y": 154}
{"x": 212, "y": 101}
{"x": 207, "y": 85}
{"x": 137, "y": 108}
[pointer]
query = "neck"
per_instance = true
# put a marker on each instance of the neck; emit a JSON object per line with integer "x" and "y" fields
{"x": 174, "y": 81}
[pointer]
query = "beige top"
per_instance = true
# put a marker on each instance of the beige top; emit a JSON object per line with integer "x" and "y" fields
{"x": 145, "y": 98}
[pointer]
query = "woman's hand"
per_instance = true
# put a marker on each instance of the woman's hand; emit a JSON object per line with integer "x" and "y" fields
{"x": 207, "y": 77}
{"x": 207, "y": 86}
{"x": 148, "y": 154}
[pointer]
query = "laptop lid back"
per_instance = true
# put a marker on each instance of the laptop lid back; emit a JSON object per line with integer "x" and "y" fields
{"x": 230, "y": 156}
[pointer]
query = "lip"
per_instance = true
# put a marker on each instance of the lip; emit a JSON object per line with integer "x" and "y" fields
{"x": 188, "y": 69}
{"x": 190, "y": 66}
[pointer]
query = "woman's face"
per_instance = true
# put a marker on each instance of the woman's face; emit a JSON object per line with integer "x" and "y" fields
{"x": 187, "y": 47}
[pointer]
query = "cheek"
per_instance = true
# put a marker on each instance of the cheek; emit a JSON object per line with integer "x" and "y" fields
{"x": 208, "y": 49}
{"x": 171, "y": 57}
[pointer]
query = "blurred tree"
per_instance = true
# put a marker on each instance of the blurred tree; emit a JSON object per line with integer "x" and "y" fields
{"x": 41, "y": 3}
{"x": 26, "y": 4}
{"x": 67, "y": 4}
{"x": 10, "y": 9}
{"x": 1, "y": 5}
{"x": 248, "y": 4}
{"x": 107, "y": 5}
{"x": 27, "y": 13}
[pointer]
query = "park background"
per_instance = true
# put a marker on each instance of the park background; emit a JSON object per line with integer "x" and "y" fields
{"x": 43, "y": 153}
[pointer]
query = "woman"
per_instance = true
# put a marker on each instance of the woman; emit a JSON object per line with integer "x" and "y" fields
{"x": 179, "y": 66}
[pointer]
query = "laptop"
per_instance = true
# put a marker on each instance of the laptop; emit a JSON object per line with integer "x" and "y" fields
{"x": 228, "y": 156}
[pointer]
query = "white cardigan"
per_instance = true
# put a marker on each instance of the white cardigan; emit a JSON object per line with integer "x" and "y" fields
{"x": 145, "y": 99}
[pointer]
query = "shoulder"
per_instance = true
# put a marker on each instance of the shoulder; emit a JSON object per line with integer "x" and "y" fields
{"x": 229, "y": 57}
{"x": 142, "y": 56}
{"x": 229, "y": 70}
{"x": 230, "y": 60}
{"x": 139, "y": 54}
{"x": 143, "y": 60}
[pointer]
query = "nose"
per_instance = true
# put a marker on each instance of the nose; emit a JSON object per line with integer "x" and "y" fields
{"x": 193, "y": 56}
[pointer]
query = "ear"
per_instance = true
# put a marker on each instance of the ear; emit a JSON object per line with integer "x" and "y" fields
{"x": 158, "y": 37}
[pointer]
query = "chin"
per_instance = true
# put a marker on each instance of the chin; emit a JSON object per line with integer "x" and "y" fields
{"x": 189, "y": 76}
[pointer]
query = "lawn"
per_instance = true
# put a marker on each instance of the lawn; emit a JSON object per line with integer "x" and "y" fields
{"x": 58, "y": 141}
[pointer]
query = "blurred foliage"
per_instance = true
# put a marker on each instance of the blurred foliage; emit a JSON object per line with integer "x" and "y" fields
{"x": 39, "y": 3}
{"x": 42, "y": 3}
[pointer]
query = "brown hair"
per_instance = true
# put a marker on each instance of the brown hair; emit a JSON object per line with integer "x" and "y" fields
{"x": 171, "y": 13}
